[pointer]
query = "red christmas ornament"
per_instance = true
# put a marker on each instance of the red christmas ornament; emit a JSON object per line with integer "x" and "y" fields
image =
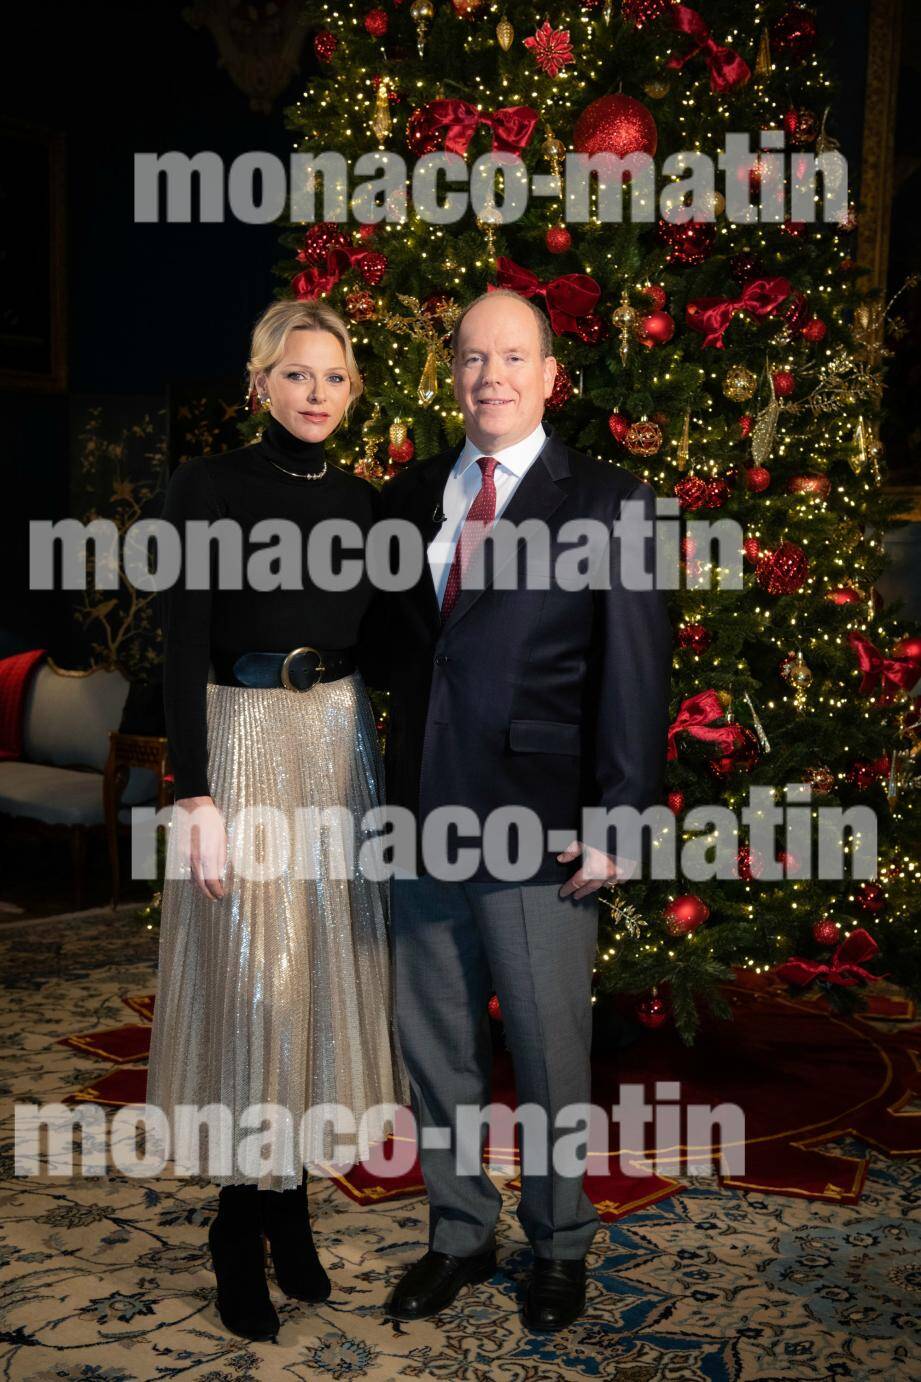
{"x": 656, "y": 295}
{"x": 783, "y": 571}
{"x": 640, "y": 12}
{"x": 749, "y": 865}
{"x": 366, "y": 232}
{"x": 422, "y": 137}
{"x": 691, "y": 492}
{"x": 375, "y": 22}
{"x": 592, "y": 328}
{"x": 697, "y": 637}
{"x": 784, "y": 383}
{"x": 871, "y": 898}
{"x": 493, "y": 1008}
{"x": 688, "y": 547}
{"x": 826, "y": 932}
{"x": 684, "y": 914}
{"x": 864, "y": 773}
{"x": 819, "y": 485}
{"x": 558, "y": 240}
{"x": 652, "y": 1012}
{"x": 360, "y": 305}
{"x": 619, "y": 426}
{"x": 467, "y": 9}
{"x": 675, "y": 802}
{"x": 615, "y": 125}
{"x": 687, "y": 242}
{"x": 794, "y": 35}
{"x": 820, "y": 779}
{"x": 757, "y": 478}
{"x": 717, "y": 493}
{"x": 643, "y": 438}
{"x": 796, "y": 311}
{"x": 745, "y": 426}
{"x": 656, "y": 329}
{"x": 814, "y": 331}
{"x": 561, "y": 392}
{"x": 801, "y": 127}
{"x": 907, "y": 647}
{"x": 742, "y": 758}
{"x": 402, "y": 452}
{"x": 373, "y": 267}
{"x": 550, "y": 48}
{"x": 752, "y": 548}
{"x": 323, "y": 236}
{"x": 844, "y": 595}
{"x": 325, "y": 44}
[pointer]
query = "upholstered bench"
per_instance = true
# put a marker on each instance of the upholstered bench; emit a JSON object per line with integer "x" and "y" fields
{"x": 61, "y": 786}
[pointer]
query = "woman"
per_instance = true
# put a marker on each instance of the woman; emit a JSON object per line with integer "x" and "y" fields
{"x": 275, "y": 991}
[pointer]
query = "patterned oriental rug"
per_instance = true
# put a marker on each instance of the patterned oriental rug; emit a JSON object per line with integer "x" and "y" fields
{"x": 802, "y": 1076}
{"x": 108, "y": 1278}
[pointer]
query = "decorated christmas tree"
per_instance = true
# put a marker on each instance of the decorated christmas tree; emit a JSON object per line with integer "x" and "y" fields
{"x": 734, "y": 366}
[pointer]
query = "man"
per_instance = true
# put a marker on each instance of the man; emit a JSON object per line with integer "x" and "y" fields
{"x": 550, "y": 699}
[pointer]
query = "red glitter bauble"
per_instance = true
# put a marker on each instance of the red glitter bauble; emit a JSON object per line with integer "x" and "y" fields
{"x": 656, "y": 329}
{"x": 750, "y": 864}
{"x": 685, "y": 914}
{"x": 784, "y": 383}
{"x": 745, "y": 425}
{"x": 360, "y": 305}
{"x": 717, "y": 493}
{"x": 697, "y": 637}
{"x": 373, "y": 267}
{"x": 752, "y": 548}
{"x": 366, "y": 232}
{"x": 375, "y": 22}
{"x": 826, "y": 931}
{"x": 691, "y": 492}
{"x": 819, "y": 485}
{"x": 561, "y": 392}
{"x": 652, "y": 1012}
{"x": 325, "y": 44}
{"x": 794, "y": 35}
{"x": 907, "y": 647}
{"x": 401, "y": 453}
{"x": 783, "y": 571}
{"x": 814, "y": 331}
{"x": 558, "y": 240}
{"x": 619, "y": 426}
{"x": 493, "y": 1009}
{"x": 323, "y": 236}
{"x": 820, "y": 779}
{"x": 656, "y": 295}
{"x": 757, "y": 478}
{"x": 675, "y": 802}
{"x": 615, "y": 125}
{"x": 796, "y": 311}
{"x": 688, "y": 242}
{"x": 871, "y": 898}
{"x": 422, "y": 137}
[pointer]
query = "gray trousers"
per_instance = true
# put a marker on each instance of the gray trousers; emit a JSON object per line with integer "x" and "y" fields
{"x": 454, "y": 944}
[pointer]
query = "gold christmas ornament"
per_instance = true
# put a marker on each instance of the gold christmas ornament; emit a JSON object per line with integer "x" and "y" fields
{"x": 428, "y": 380}
{"x": 797, "y": 674}
{"x": 821, "y": 779}
{"x": 740, "y": 383}
{"x": 398, "y": 432}
{"x": 757, "y": 725}
{"x": 505, "y": 34}
{"x": 422, "y": 12}
{"x": 381, "y": 123}
{"x": 643, "y": 438}
{"x": 763, "y": 64}
{"x": 624, "y": 318}
{"x": 657, "y": 89}
{"x": 684, "y": 443}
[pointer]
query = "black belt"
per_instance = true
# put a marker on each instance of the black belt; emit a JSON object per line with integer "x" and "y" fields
{"x": 298, "y": 670}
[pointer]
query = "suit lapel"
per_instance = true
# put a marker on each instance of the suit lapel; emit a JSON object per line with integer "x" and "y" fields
{"x": 426, "y": 505}
{"x": 537, "y": 495}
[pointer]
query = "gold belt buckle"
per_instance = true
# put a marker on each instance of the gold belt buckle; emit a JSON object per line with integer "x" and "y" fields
{"x": 295, "y": 652}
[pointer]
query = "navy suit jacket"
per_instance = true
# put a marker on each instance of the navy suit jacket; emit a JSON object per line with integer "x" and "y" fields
{"x": 552, "y": 699}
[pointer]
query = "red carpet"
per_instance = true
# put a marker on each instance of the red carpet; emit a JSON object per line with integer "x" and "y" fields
{"x": 801, "y": 1075}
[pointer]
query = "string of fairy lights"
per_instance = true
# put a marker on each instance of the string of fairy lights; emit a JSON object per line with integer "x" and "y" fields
{"x": 338, "y": 114}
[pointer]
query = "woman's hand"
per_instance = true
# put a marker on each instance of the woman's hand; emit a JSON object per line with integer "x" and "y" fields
{"x": 202, "y": 844}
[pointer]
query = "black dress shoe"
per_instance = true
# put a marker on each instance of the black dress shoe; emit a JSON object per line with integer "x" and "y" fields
{"x": 556, "y": 1293}
{"x": 286, "y": 1221}
{"x": 432, "y": 1283}
{"x": 238, "y": 1257}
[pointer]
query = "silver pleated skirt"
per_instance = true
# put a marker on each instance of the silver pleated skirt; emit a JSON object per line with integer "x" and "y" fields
{"x": 280, "y": 993}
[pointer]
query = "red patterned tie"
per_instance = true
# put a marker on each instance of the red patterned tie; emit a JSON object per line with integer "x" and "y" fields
{"x": 481, "y": 513}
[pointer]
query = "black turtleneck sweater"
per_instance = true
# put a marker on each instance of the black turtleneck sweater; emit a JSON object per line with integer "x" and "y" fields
{"x": 215, "y": 626}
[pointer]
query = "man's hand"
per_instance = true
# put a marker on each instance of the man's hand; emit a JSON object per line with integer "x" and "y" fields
{"x": 202, "y": 844}
{"x": 597, "y": 870}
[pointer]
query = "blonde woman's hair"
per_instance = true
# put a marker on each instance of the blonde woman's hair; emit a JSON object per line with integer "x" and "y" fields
{"x": 271, "y": 332}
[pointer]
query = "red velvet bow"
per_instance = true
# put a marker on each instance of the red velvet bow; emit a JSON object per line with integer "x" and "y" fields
{"x": 845, "y": 968}
{"x": 695, "y": 716}
{"x": 512, "y": 126}
{"x": 309, "y": 283}
{"x": 899, "y": 671}
{"x": 567, "y": 298}
{"x": 727, "y": 69}
{"x": 759, "y": 298}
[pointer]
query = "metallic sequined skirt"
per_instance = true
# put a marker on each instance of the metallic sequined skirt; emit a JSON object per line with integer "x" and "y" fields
{"x": 281, "y": 993}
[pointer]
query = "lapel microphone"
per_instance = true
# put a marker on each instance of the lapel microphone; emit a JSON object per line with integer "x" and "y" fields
{"x": 438, "y": 514}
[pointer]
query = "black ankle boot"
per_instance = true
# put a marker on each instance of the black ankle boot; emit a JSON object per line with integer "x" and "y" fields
{"x": 238, "y": 1255}
{"x": 286, "y": 1222}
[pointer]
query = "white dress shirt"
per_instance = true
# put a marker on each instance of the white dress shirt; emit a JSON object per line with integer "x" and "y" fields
{"x": 462, "y": 487}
